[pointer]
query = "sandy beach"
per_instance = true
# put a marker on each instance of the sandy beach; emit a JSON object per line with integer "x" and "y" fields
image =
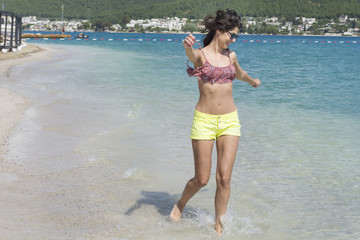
{"x": 13, "y": 105}
{"x": 12, "y": 109}
{"x": 52, "y": 194}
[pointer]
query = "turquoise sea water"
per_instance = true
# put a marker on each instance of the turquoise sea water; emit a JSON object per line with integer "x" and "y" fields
{"x": 110, "y": 124}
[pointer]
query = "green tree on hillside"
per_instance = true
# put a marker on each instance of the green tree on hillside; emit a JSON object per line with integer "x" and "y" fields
{"x": 85, "y": 25}
{"x": 124, "y": 20}
{"x": 101, "y": 25}
{"x": 115, "y": 10}
{"x": 190, "y": 27}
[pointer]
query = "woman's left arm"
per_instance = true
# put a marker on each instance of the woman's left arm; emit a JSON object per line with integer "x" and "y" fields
{"x": 242, "y": 74}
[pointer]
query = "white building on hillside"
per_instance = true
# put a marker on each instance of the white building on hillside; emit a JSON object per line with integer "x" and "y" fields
{"x": 168, "y": 23}
{"x": 29, "y": 20}
{"x": 343, "y": 18}
{"x": 309, "y": 21}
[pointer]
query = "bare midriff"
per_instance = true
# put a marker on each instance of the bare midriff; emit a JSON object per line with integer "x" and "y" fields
{"x": 215, "y": 99}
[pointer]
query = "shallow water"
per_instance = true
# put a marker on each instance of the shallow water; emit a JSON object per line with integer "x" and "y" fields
{"x": 105, "y": 147}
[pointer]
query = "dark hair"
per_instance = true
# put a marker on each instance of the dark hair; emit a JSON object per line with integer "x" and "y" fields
{"x": 223, "y": 21}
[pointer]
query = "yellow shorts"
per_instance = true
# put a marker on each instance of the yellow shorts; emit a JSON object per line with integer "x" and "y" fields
{"x": 207, "y": 126}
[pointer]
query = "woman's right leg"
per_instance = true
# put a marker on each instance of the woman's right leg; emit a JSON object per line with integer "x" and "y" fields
{"x": 202, "y": 159}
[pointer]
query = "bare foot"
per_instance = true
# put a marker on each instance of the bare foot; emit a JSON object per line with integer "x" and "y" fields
{"x": 218, "y": 228}
{"x": 175, "y": 214}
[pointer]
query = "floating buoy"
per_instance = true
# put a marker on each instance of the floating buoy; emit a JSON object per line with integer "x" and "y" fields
{"x": 177, "y": 40}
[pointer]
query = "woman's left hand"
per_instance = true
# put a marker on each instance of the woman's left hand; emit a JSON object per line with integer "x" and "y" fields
{"x": 256, "y": 82}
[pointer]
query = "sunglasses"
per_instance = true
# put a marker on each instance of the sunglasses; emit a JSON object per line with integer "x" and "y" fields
{"x": 233, "y": 35}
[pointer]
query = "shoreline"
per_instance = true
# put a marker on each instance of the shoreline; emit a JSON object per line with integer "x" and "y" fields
{"x": 185, "y": 33}
{"x": 12, "y": 104}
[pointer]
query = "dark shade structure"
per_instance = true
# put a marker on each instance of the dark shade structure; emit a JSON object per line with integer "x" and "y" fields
{"x": 10, "y": 30}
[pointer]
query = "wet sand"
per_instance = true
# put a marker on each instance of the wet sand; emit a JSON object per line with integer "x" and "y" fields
{"x": 13, "y": 105}
{"x": 49, "y": 197}
{"x": 12, "y": 109}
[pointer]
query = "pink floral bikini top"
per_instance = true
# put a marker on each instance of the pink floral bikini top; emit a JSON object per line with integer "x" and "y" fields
{"x": 212, "y": 74}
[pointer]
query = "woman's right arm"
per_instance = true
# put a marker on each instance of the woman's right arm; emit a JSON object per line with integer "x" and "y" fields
{"x": 192, "y": 53}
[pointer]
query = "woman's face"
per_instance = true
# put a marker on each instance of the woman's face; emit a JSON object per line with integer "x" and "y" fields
{"x": 226, "y": 38}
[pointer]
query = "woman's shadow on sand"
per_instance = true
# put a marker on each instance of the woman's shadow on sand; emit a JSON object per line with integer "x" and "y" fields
{"x": 163, "y": 201}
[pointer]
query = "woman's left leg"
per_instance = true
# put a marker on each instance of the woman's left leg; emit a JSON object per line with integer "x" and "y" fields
{"x": 226, "y": 147}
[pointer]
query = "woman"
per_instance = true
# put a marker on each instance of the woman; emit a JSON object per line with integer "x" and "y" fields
{"x": 215, "y": 115}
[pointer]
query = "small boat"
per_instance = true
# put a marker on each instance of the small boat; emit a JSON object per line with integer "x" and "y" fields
{"x": 81, "y": 35}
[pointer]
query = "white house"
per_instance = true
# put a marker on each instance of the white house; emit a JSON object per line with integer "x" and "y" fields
{"x": 116, "y": 27}
{"x": 309, "y": 21}
{"x": 176, "y": 26}
{"x": 343, "y": 18}
{"x": 29, "y": 20}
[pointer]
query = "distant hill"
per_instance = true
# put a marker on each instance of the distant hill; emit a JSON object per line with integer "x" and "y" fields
{"x": 121, "y": 10}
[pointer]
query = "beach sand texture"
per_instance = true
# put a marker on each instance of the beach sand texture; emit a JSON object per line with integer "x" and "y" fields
{"x": 13, "y": 105}
{"x": 15, "y": 200}
{"x": 59, "y": 202}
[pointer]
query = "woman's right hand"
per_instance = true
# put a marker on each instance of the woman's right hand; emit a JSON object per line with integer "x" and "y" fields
{"x": 256, "y": 82}
{"x": 189, "y": 41}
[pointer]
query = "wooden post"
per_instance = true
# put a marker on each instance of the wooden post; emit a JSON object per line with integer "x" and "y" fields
{"x": 5, "y": 30}
{"x": 12, "y": 31}
{"x": 1, "y": 43}
{"x": 16, "y": 32}
{"x": 20, "y": 30}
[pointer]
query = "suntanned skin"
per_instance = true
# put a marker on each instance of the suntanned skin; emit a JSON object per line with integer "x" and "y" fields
{"x": 216, "y": 99}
